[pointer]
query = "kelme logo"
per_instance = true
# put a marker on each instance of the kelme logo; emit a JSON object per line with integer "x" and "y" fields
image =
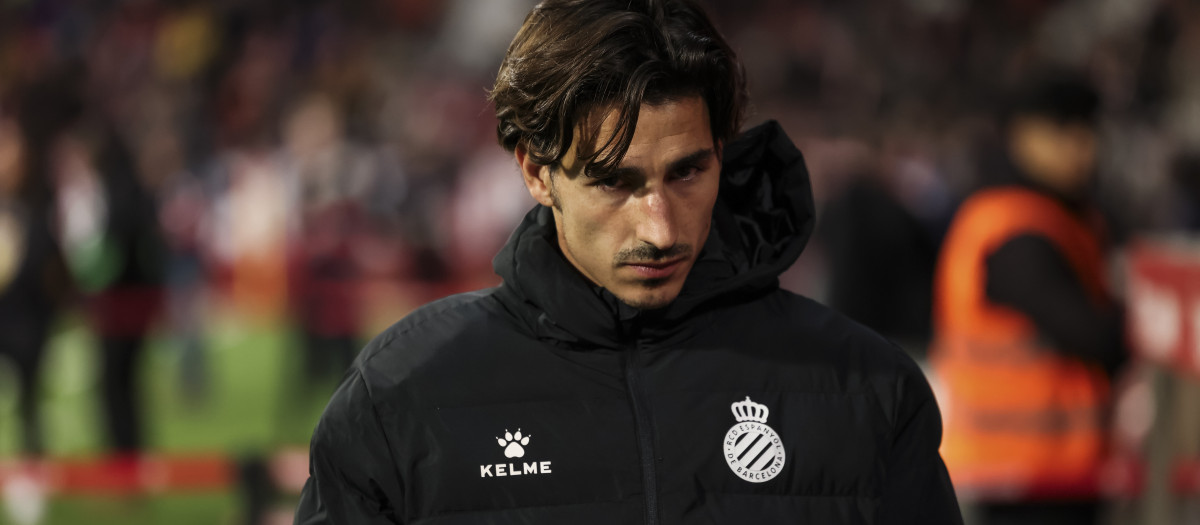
{"x": 513, "y": 446}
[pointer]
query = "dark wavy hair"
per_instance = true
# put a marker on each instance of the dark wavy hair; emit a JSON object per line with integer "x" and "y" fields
{"x": 574, "y": 60}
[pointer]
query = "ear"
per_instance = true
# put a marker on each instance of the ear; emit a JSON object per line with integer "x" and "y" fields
{"x": 537, "y": 177}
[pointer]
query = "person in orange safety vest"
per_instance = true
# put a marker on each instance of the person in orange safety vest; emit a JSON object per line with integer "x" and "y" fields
{"x": 1026, "y": 334}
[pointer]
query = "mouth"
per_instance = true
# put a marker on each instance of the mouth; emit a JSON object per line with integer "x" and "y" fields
{"x": 656, "y": 269}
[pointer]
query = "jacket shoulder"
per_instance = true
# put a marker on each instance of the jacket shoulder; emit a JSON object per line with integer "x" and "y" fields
{"x": 437, "y": 330}
{"x": 815, "y": 320}
{"x": 864, "y": 358}
{"x": 866, "y": 361}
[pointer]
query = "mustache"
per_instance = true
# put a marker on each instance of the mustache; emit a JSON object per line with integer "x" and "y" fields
{"x": 651, "y": 253}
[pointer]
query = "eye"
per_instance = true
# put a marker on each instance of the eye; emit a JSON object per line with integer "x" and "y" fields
{"x": 607, "y": 183}
{"x": 687, "y": 172}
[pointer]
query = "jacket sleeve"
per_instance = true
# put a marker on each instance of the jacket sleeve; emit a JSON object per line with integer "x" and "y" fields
{"x": 917, "y": 488}
{"x": 351, "y": 478}
{"x": 1029, "y": 274}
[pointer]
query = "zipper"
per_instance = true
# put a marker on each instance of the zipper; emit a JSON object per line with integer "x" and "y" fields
{"x": 641, "y": 419}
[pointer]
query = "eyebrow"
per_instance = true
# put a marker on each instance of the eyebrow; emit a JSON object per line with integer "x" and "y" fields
{"x": 629, "y": 171}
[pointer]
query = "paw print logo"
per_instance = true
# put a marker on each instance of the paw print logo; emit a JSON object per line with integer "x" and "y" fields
{"x": 512, "y": 444}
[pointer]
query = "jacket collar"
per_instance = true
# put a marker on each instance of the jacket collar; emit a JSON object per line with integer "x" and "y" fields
{"x": 761, "y": 222}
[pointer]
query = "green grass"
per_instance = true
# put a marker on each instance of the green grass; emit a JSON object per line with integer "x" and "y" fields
{"x": 256, "y": 402}
{"x": 195, "y": 509}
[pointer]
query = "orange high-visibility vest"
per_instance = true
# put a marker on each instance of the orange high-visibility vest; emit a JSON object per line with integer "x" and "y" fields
{"x": 1021, "y": 420}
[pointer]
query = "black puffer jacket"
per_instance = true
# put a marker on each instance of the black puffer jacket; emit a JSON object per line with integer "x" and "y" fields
{"x": 546, "y": 400}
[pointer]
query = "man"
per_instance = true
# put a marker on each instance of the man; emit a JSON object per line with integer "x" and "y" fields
{"x": 640, "y": 363}
{"x": 32, "y": 290}
{"x": 1028, "y": 335}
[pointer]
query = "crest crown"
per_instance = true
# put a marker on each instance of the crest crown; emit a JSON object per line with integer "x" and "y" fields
{"x": 750, "y": 411}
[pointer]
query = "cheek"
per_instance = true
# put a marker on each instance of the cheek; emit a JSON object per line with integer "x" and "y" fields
{"x": 712, "y": 194}
{"x": 699, "y": 207}
{"x": 588, "y": 234}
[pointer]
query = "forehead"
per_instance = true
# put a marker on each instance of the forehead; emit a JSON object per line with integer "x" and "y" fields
{"x": 663, "y": 129}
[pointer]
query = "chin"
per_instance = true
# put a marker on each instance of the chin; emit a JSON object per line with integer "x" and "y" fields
{"x": 649, "y": 299}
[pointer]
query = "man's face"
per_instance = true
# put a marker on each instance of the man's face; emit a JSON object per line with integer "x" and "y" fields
{"x": 1059, "y": 155}
{"x": 638, "y": 229}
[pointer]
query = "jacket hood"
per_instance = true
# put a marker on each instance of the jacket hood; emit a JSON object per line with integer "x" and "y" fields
{"x": 761, "y": 222}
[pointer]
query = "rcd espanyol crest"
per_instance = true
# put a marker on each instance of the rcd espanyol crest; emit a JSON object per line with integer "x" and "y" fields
{"x": 753, "y": 449}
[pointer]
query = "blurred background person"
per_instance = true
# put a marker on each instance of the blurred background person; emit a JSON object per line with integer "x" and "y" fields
{"x": 335, "y": 179}
{"x": 1028, "y": 335}
{"x": 108, "y": 227}
{"x": 33, "y": 285}
{"x": 882, "y": 231}
{"x": 1185, "y": 201}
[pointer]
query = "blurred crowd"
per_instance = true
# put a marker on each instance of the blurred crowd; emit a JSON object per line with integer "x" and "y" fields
{"x": 331, "y": 164}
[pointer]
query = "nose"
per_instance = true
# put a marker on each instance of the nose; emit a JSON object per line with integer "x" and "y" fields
{"x": 656, "y": 225}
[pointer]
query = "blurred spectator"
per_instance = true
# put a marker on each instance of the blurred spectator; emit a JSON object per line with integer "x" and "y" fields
{"x": 108, "y": 226}
{"x": 183, "y": 210}
{"x": 1186, "y": 199}
{"x": 882, "y": 233}
{"x": 1028, "y": 336}
{"x": 335, "y": 178}
{"x": 32, "y": 287}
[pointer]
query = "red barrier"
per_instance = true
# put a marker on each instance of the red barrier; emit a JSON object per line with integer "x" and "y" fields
{"x": 1164, "y": 303}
